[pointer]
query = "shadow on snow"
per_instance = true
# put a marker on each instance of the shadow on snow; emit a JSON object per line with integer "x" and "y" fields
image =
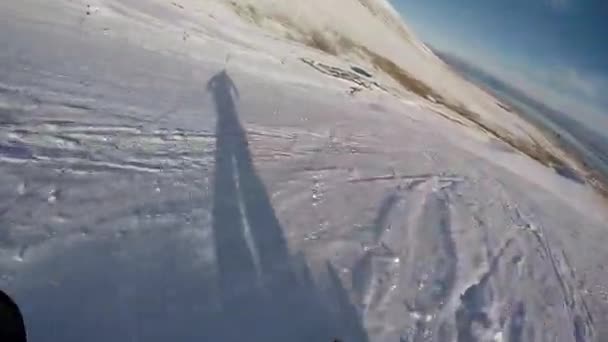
{"x": 265, "y": 291}
{"x": 151, "y": 286}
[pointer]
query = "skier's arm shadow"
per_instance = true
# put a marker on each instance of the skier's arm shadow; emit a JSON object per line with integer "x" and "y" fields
{"x": 263, "y": 288}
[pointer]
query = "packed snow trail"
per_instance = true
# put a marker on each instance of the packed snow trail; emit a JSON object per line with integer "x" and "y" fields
{"x": 173, "y": 173}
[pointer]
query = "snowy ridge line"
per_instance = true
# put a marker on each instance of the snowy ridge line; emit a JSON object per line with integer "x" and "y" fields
{"x": 481, "y": 111}
{"x": 385, "y": 10}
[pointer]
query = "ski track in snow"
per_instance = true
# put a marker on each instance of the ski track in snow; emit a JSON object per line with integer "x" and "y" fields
{"x": 489, "y": 301}
{"x": 177, "y": 195}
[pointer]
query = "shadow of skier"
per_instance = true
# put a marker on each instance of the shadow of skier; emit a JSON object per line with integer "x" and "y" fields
{"x": 159, "y": 281}
{"x": 266, "y": 293}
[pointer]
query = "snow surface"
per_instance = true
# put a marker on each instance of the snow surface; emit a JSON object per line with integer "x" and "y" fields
{"x": 170, "y": 171}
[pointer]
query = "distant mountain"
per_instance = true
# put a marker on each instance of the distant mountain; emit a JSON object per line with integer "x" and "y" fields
{"x": 568, "y": 129}
{"x": 485, "y": 79}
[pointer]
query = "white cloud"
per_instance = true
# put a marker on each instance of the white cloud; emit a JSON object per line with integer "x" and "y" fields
{"x": 572, "y": 82}
{"x": 577, "y": 94}
{"x": 589, "y": 86}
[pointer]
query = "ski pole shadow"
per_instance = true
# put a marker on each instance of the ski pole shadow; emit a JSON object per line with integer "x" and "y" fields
{"x": 266, "y": 293}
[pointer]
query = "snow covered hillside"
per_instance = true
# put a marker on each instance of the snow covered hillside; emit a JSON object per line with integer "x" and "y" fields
{"x": 199, "y": 170}
{"x": 370, "y": 32}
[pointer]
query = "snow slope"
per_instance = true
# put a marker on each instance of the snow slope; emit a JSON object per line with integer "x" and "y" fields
{"x": 170, "y": 171}
{"x": 374, "y": 25}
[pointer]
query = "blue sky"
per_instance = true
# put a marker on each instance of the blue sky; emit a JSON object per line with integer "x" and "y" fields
{"x": 555, "y": 50}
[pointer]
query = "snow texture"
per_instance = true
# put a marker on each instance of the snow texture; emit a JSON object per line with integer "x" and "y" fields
{"x": 171, "y": 171}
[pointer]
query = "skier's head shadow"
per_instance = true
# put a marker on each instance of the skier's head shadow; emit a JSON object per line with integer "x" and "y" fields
{"x": 266, "y": 293}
